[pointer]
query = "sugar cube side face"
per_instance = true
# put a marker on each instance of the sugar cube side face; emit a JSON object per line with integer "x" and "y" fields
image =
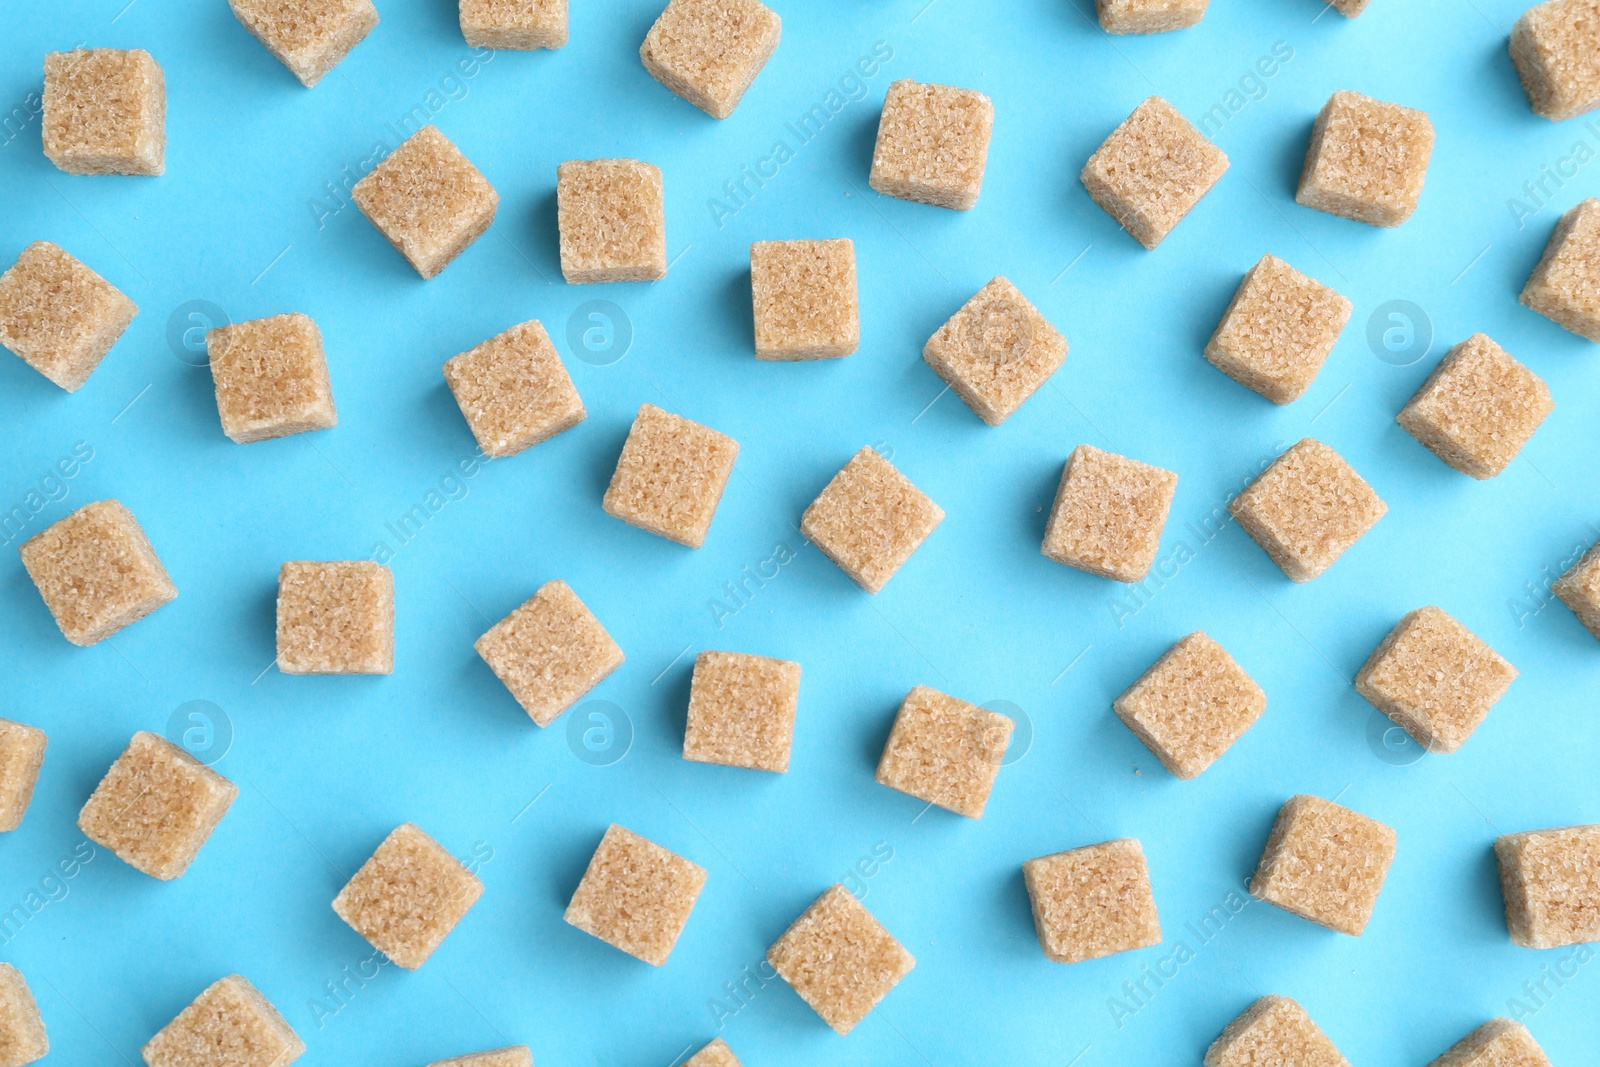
{"x": 58, "y": 316}
{"x": 741, "y": 711}
{"x": 271, "y": 378}
{"x": 515, "y": 25}
{"x": 945, "y": 751}
{"x": 1191, "y": 705}
{"x": 21, "y": 756}
{"x": 1579, "y": 589}
{"x": 1565, "y": 286}
{"x": 996, "y": 351}
{"x": 1435, "y": 678}
{"x": 1497, "y": 1043}
{"x": 716, "y": 1054}
{"x": 670, "y": 476}
{"x": 1368, "y": 160}
{"x": 1477, "y": 408}
{"x": 1551, "y": 883}
{"x": 96, "y": 571}
{"x": 310, "y": 37}
{"x": 1149, "y": 16}
{"x": 1108, "y": 514}
{"x": 1277, "y": 331}
{"x": 1556, "y": 49}
{"x": 428, "y": 200}
{"x": 408, "y": 897}
{"x": 1325, "y": 863}
{"x": 22, "y": 1035}
{"x": 933, "y": 144}
{"x": 710, "y": 51}
{"x": 636, "y": 896}
{"x": 335, "y": 618}
{"x": 612, "y": 219}
{"x": 1152, "y": 171}
{"x": 805, "y": 299}
{"x": 230, "y": 1023}
{"x": 105, "y": 112}
{"x": 1273, "y": 1030}
{"x": 840, "y": 959}
{"x": 1307, "y": 509}
{"x": 869, "y": 520}
{"x": 511, "y": 1056}
{"x": 514, "y": 390}
{"x": 549, "y": 652}
{"x": 1093, "y": 901}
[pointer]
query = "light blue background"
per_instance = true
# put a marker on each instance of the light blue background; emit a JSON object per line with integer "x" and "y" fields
{"x": 326, "y": 767}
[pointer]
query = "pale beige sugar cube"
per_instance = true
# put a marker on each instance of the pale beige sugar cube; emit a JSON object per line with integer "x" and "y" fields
{"x": 636, "y": 895}
{"x": 670, "y": 476}
{"x": 519, "y": 25}
{"x": 96, "y": 571}
{"x": 1307, "y": 509}
{"x": 1324, "y": 863}
{"x": 156, "y": 807}
{"x": 21, "y": 756}
{"x": 933, "y": 144}
{"x": 22, "y": 1036}
{"x": 309, "y": 37}
{"x": 271, "y": 378}
{"x": 1108, "y": 514}
{"x": 612, "y": 217}
{"x": 1556, "y": 49}
{"x": 1149, "y": 16}
{"x": 869, "y": 519}
{"x": 549, "y": 652}
{"x": 1478, "y": 408}
{"x": 716, "y": 1054}
{"x": 229, "y": 1025}
{"x": 1277, "y": 331}
{"x": 944, "y": 751}
{"x": 1579, "y": 589}
{"x": 428, "y": 200}
{"x": 1350, "y": 8}
{"x": 514, "y": 390}
{"x": 1367, "y": 161}
{"x": 58, "y": 316}
{"x": 512, "y": 1056}
{"x": 1273, "y": 1032}
{"x": 1435, "y": 678}
{"x": 741, "y": 711}
{"x": 1152, "y": 171}
{"x": 1093, "y": 901}
{"x": 335, "y": 618}
{"x": 709, "y": 51}
{"x": 407, "y": 898}
{"x": 804, "y": 295}
{"x": 996, "y": 351}
{"x": 1191, "y": 705}
{"x": 1551, "y": 883}
{"x": 840, "y": 959}
{"x": 1497, "y": 1043}
{"x": 105, "y": 112}
{"x": 1565, "y": 286}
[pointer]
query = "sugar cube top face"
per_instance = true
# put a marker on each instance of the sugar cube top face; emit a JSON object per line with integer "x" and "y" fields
{"x": 1273, "y": 1030}
{"x": 105, "y": 112}
{"x": 156, "y": 807}
{"x": 670, "y": 476}
{"x": 58, "y": 316}
{"x": 869, "y": 519}
{"x": 1497, "y": 1043}
{"x": 22, "y": 1036}
{"x": 1108, "y": 514}
{"x": 1307, "y": 509}
{"x": 1350, "y": 8}
{"x": 1191, "y": 705}
{"x": 636, "y": 895}
{"x": 514, "y": 390}
{"x": 21, "y": 756}
{"x": 1556, "y": 49}
{"x": 1367, "y": 160}
{"x": 229, "y": 1025}
{"x": 309, "y": 37}
{"x": 512, "y": 1056}
{"x": 1478, "y": 408}
{"x": 518, "y": 25}
{"x": 612, "y": 218}
{"x": 1565, "y": 286}
{"x": 1152, "y": 171}
{"x": 933, "y": 144}
{"x": 1579, "y": 589}
{"x": 1277, "y": 331}
{"x": 1435, "y": 678}
{"x": 944, "y": 751}
{"x": 96, "y": 571}
{"x": 271, "y": 378}
{"x": 428, "y": 200}
{"x": 716, "y": 1054}
{"x": 996, "y": 351}
{"x": 549, "y": 652}
{"x": 1551, "y": 883}
{"x": 1149, "y": 16}
{"x": 804, "y": 294}
{"x": 1093, "y": 901}
{"x": 335, "y": 618}
{"x": 741, "y": 711}
{"x": 709, "y": 51}
{"x": 839, "y": 959}
{"x": 1325, "y": 863}
{"x": 407, "y": 898}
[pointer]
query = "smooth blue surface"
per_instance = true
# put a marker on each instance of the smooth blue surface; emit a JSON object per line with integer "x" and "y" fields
{"x": 327, "y": 766}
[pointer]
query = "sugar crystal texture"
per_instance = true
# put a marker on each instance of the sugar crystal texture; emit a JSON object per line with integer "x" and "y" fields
{"x": 428, "y": 200}
{"x": 709, "y": 51}
{"x": 22, "y": 1036}
{"x": 271, "y": 378}
{"x": 1152, "y": 171}
{"x": 1551, "y": 883}
{"x": 1478, "y": 408}
{"x": 1092, "y": 901}
{"x": 636, "y": 895}
{"x": 1149, "y": 16}
{"x": 1191, "y": 705}
{"x": 804, "y": 295}
{"x": 519, "y": 25}
{"x": 1556, "y": 49}
{"x": 1565, "y": 286}
{"x": 514, "y": 390}
{"x": 996, "y": 351}
{"x": 1497, "y": 1043}
{"x": 229, "y": 1025}
{"x": 1277, "y": 331}
{"x": 933, "y": 144}
{"x": 1324, "y": 863}
{"x": 741, "y": 711}
{"x": 612, "y": 219}
{"x": 1367, "y": 160}
{"x": 105, "y": 112}
{"x": 1350, "y": 8}
{"x": 1108, "y": 514}
{"x": 869, "y": 519}
{"x": 1273, "y": 1032}
{"x": 840, "y": 959}
{"x": 1307, "y": 509}
{"x": 511, "y": 1056}
{"x": 1579, "y": 589}
{"x": 407, "y": 898}
{"x": 21, "y": 756}
{"x": 716, "y": 1054}
{"x": 309, "y": 37}
{"x": 670, "y": 476}
{"x": 549, "y": 652}
{"x": 58, "y": 316}
{"x": 96, "y": 571}
{"x": 335, "y": 618}
{"x": 944, "y": 751}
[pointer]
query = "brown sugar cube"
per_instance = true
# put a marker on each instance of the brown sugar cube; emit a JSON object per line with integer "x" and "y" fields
{"x": 1092, "y": 901}
{"x": 996, "y": 351}
{"x": 335, "y": 618}
{"x": 271, "y": 378}
{"x": 1556, "y": 49}
{"x": 1149, "y": 16}
{"x": 1191, "y": 705}
{"x": 21, "y": 756}
{"x": 407, "y": 898}
{"x": 58, "y": 316}
{"x": 428, "y": 200}
{"x": 741, "y": 711}
{"x": 716, "y": 1054}
{"x": 1350, "y": 8}
{"x": 1367, "y": 160}
{"x": 1478, "y": 408}
{"x": 549, "y": 652}
{"x": 229, "y": 1025}
{"x": 1325, "y": 863}
{"x": 514, "y": 390}
{"x": 1551, "y": 883}
{"x": 1579, "y": 589}
{"x": 1108, "y": 514}
{"x": 1497, "y": 1043}
{"x": 310, "y": 37}
{"x": 612, "y": 218}
{"x": 519, "y": 25}
{"x": 804, "y": 294}
{"x": 96, "y": 571}
{"x": 1565, "y": 286}
{"x": 156, "y": 807}
{"x": 22, "y": 1037}
{"x": 869, "y": 519}
{"x": 933, "y": 144}
{"x": 512, "y": 1056}
{"x": 1435, "y": 678}
{"x": 636, "y": 895}
{"x": 944, "y": 751}
{"x": 105, "y": 112}
{"x": 1277, "y": 331}
{"x": 670, "y": 476}
{"x": 1152, "y": 171}
{"x": 1273, "y": 1030}
{"x": 840, "y": 959}
{"x": 709, "y": 51}
{"x": 1307, "y": 509}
